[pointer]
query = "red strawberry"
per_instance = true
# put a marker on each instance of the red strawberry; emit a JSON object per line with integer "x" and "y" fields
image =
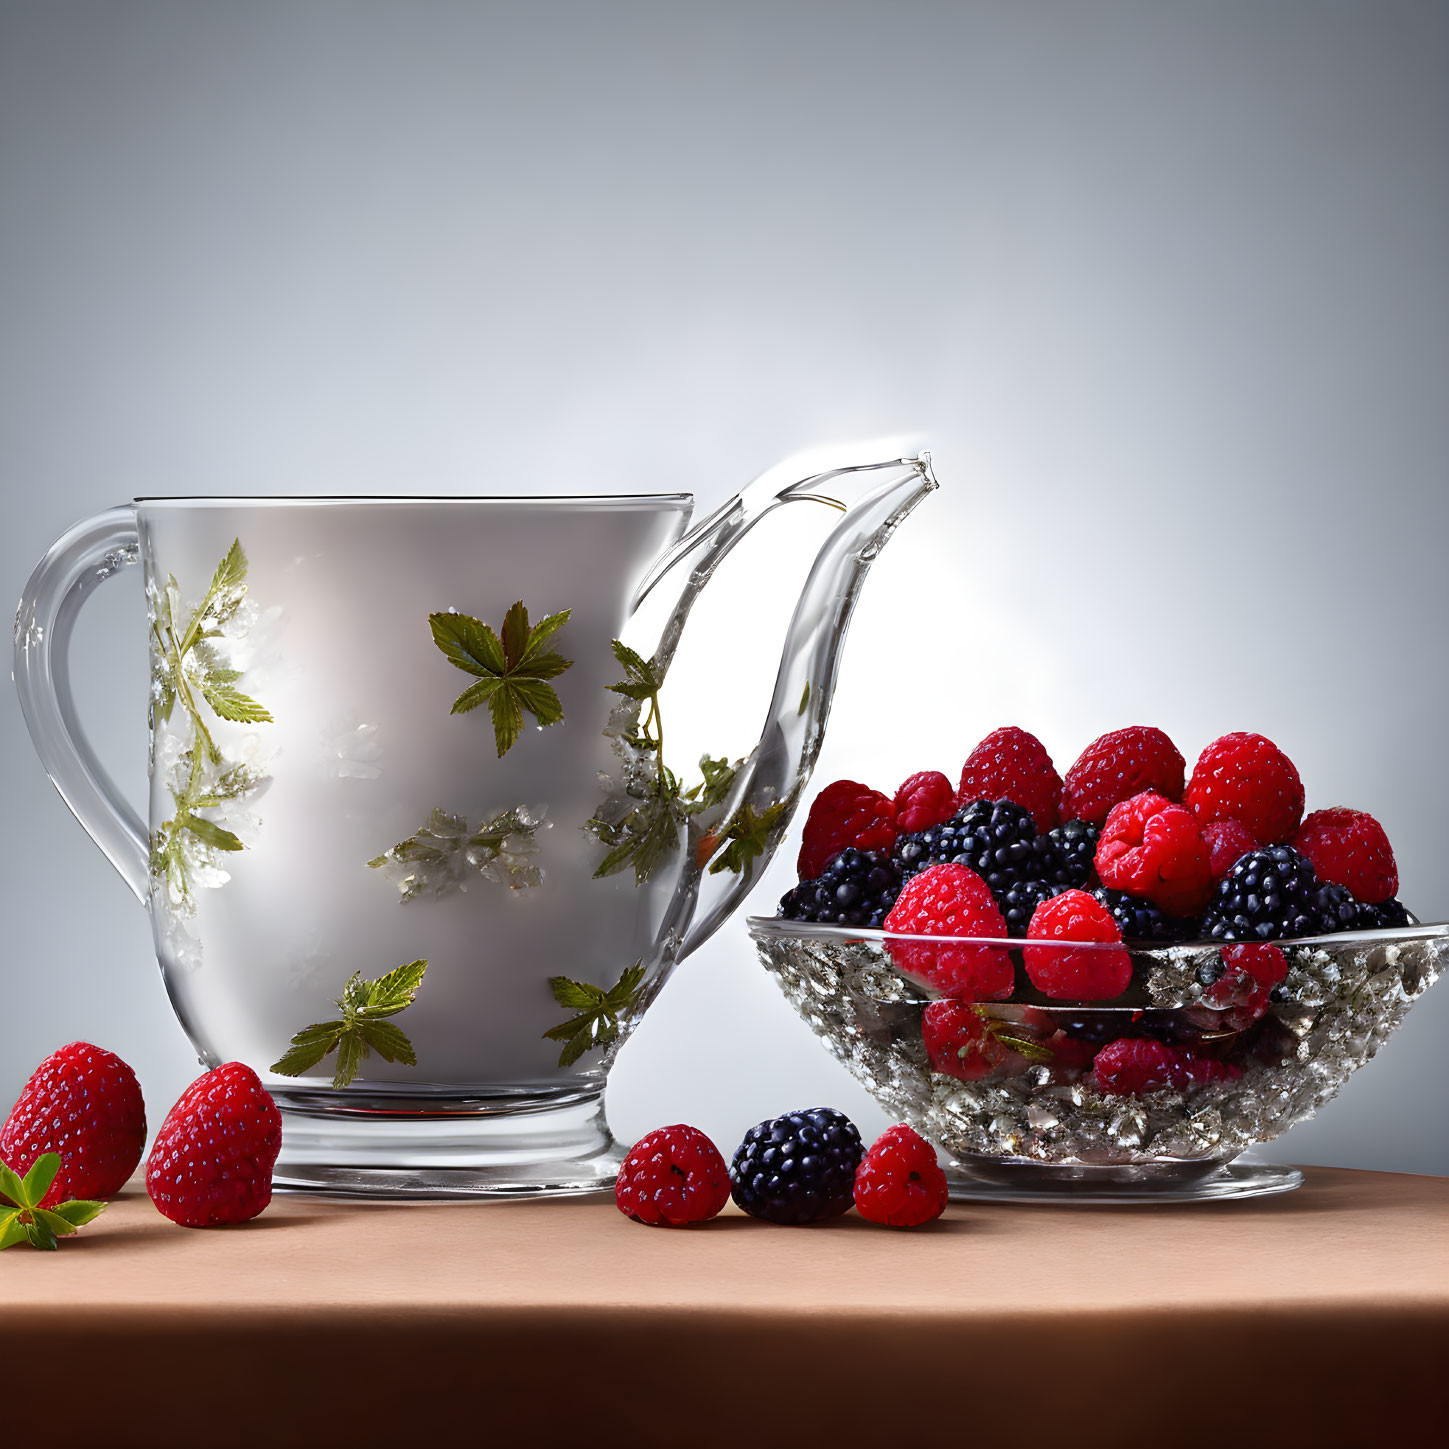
{"x": 1098, "y": 971}
{"x": 926, "y": 799}
{"x": 212, "y": 1160}
{"x": 1118, "y": 766}
{"x": 85, "y": 1104}
{"x": 1010, "y": 764}
{"x": 899, "y": 1183}
{"x": 1349, "y": 847}
{"x": 951, "y": 900}
{"x": 844, "y": 814}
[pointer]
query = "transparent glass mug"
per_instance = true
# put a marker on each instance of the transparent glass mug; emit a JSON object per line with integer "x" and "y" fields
{"x": 414, "y": 852}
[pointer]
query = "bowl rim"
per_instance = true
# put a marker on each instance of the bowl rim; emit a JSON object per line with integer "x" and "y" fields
{"x": 778, "y": 928}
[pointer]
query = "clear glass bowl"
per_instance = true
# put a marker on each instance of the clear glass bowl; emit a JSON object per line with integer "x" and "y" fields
{"x": 1028, "y": 1115}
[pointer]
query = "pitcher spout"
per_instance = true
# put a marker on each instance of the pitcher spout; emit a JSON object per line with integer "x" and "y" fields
{"x": 873, "y": 499}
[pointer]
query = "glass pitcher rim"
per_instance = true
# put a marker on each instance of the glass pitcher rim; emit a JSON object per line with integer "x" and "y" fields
{"x": 285, "y": 500}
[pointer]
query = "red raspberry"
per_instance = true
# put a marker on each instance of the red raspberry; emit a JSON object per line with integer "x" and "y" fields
{"x": 1247, "y": 778}
{"x": 1010, "y": 764}
{"x": 845, "y": 814}
{"x": 212, "y": 1160}
{"x": 957, "y": 1041}
{"x": 1241, "y": 994}
{"x": 1227, "y": 842}
{"x": 1350, "y": 848}
{"x": 1152, "y": 848}
{"x": 1090, "y": 974}
{"x": 1118, "y": 766}
{"x": 1136, "y": 1064}
{"x": 951, "y": 900}
{"x": 926, "y": 799}
{"x": 899, "y": 1183}
{"x": 672, "y": 1177}
{"x": 85, "y": 1104}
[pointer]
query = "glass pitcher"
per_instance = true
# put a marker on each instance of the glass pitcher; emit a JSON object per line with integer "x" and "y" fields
{"x": 414, "y": 850}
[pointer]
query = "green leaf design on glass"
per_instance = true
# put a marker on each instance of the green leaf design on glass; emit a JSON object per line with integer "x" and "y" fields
{"x": 190, "y": 668}
{"x": 512, "y": 671}
{"x": 28, "y": 1222}
{"x": 748, "y": 834}
{"x": 597, "y": 1012}
{"x": 443, "y": 853}
{"x": 362, "y": 1028}
{"x": 649, "y": 832}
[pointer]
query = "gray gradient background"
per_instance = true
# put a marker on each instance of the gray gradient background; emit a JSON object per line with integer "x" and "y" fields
{"x": 1163, "y": 285}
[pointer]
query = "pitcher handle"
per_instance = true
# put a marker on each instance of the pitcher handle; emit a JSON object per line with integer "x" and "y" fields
{"x": 76, "y": 564}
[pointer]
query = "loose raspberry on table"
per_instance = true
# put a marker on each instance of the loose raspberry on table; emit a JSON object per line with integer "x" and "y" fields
{"x": 1119, "y": 765}
{"x": 845, "y": 813}
{"x": 211, "y": 1163}
{"x": 1247, "y": 778}
{"x": 951, "y": 900}
{"x": 1154, "y": 849}
{"x": 1228, "y": 841}
{"x": 1010, "y": 764}
{"x": 926, "y": 799}
{"x": 958, "y": 1040}
{"x": 84, "y": 1104}
{"x": 1133, "y": 1065}
{"x": 1090, "y": 974}
{"x": 1349, "y": 848}
{"x": 672, "y": 1177}
{"x": 799, "y": 1168}
{"x": 899, "y": 1183}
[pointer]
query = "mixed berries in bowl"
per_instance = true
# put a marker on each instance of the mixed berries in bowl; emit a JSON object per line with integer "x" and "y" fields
{"x": 1124, "y": 976}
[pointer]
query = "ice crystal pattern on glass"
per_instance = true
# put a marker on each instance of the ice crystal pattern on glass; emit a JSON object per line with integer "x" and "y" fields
{"x": 444, "y": 854}
{"x": 351, "y": 748}
{"x": 1341, "y": 1003}
{"x": 211, "y": 768}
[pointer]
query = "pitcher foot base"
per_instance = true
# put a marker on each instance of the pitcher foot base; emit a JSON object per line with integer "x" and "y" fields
{"x": 512, "y": 1148}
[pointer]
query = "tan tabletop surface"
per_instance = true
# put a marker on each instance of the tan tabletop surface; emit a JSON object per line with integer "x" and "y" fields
{"x": 1318, "y": 1317}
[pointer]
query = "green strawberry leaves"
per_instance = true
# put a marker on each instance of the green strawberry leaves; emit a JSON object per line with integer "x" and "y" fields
{"x": 362, "y": 1028}
{"x": 512, "y": 671}
{"x": 597, "y": 1012}
{"x": 28, "y": 1222}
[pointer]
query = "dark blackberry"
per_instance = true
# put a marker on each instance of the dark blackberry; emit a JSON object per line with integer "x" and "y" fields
{"x": 1269, "y": 895}
{"x": 1387, "y": 916}
{"x": 1018, "y": 903}
{"x": 857, "y": 888}
{"x": 1074, "y": 843}
{"x": 1339, "y": 911}
{"x": 1140, "y": 920}
{"x": 997, "y": 839}
{"x": 799, "y": 1168}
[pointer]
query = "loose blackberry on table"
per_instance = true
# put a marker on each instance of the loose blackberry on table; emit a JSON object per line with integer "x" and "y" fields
{"x": 799, "y": 1168}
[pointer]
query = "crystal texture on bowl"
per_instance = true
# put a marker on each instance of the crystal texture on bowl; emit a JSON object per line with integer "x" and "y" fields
{"x": 1035, "y": 1117}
